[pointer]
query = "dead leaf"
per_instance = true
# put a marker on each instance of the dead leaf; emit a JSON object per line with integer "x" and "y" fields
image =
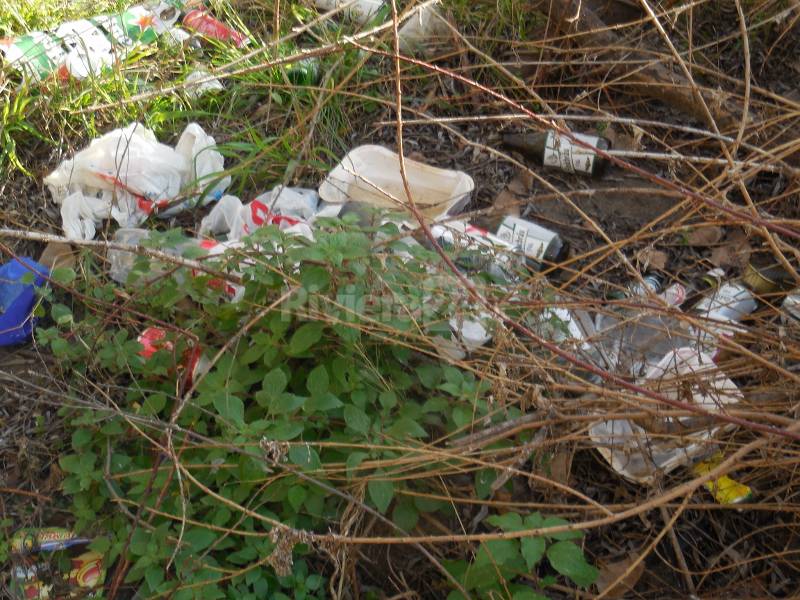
{"x": 704, "y": 237}
{"x": 652, "y": 259}
{"x": 521, "y": 183}
{"x": 611, "y": 571}
{"x": 561, "y": 466}
{"x": 731, "y": 255}
{"x": 56, "y": 255}
{"x": 507, "y": 203}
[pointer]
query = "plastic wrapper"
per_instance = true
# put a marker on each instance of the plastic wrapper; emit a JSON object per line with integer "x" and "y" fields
{"x": 122, "y": 261}
{"x": 640, "y": 455}
{"x": 200, "y": 82}
{"x": 37, "y": 572}
{"x": 288, "y": 208}
{"x": 423, "y": 32}
{"x": 127, "y": 175}
{"x": 360, "y": 11}
{"x": 468, "y": 334}
{"x": 18, "y": 298}
{"x": 193, "y": 362}
{"x": 202, "y": 22}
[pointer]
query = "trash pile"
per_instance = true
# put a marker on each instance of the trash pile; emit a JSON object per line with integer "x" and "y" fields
{"x": 643, "y": 335}
{"x": 87, "y": 47}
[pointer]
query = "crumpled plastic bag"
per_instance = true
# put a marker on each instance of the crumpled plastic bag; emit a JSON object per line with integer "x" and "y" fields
{"x": 288, "y": 208}
{"x": 127, "y": 174}
{"x": 637, "y": 454}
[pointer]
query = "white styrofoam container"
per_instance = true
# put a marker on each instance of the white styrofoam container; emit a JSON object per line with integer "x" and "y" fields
{"x": 371, "y": 174}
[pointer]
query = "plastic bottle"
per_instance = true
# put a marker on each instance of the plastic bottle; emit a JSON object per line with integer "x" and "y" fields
{"x": 552, "y": 149}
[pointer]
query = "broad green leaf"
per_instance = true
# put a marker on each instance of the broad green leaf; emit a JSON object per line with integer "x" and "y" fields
{"x": 199, "y": 538}
{"x": 532, "y": 550}
{"x": 318, "y": 382}
{"x": 80, "y": 438}
{"x": 567, "y": 558}
{"x": 562, "y": 535}
{"x": 388, "y": 399}
{"x": 305, "y": 457}
{"x": 229, "y": 407}
{"x": 315, "y": 279}
{"x": 306, "y": 336}
{"x": 497, "y": 552}
{"x": 63, "y": 275}
{"x": 354, "y": 459}
{"x": 273, "y": 384}
{"x": 405, "y": 515}
{"x": 483, "y": 483}
{"x": 61, "y": 314}
{"x": 508, "y": 522}
{"x": 405, "y": 427}
{"x": 323, "y": 403}
{"x": 381, "y": 493}
{"x": 356, "y": 419}
{"x": 296, "y": 496}
{"x": 286, "y": 403}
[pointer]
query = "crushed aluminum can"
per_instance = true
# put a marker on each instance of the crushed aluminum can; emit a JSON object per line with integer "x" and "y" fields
{"x": 35, "y": 574}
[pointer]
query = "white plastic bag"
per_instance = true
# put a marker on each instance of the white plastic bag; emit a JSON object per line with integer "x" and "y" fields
{"x": 288, "y": 208}
{"x": 135, "y": 175}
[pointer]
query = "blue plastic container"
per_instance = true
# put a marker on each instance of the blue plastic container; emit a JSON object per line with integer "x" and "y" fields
{"x": 17, "y": 299}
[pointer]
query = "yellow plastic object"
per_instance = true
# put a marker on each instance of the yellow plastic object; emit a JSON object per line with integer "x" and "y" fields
{"x": 724, "y": 489}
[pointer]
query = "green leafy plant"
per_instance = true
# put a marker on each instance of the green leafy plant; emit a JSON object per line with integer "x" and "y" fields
{"x": 324, "y": 377}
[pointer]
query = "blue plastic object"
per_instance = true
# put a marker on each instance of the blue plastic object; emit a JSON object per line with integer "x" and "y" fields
{"x": 17, "y": 299}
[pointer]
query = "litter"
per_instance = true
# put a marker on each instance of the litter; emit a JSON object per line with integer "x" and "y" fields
{"x": 18, "y": 298}
{"x": 202, "y": 22}
{"x": 371, "y": 174}
{"x": 477, "y": 250}
{"x": 423, "y": 32}
{"x": 122, "y": 262}
{"x": 128, "y": 175}
{"x": 553, "y": 149}
{"x": 468, "y": 334}
{"x": 727, "y": 305}
{"x": 360, "y": 11}
{"x": 288, "y": 208}
{"x": 630, "y": 340}
{"x": 536, "y": 242}
{"x": 724, "y": 489}
{"x": 640, "y": 455}
{"x": 38, "y": 573}
{"x": 85, "y": 47}
{"x": 200, "y": 82}
{"x": 193, "y": 362}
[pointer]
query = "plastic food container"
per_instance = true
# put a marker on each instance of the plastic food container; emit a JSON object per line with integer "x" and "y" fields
{"x": 371, "y": 174}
